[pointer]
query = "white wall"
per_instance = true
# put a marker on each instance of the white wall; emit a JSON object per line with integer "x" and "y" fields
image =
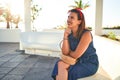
{"x": 9, "y": 35}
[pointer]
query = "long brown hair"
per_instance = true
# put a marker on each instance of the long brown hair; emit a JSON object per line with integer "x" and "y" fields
{"x": 80, "y": 16}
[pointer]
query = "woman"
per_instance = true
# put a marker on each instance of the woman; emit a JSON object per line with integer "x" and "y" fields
{"x": 79, "y": 55}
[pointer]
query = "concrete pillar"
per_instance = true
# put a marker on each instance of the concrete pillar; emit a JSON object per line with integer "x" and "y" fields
{"x": 98, "y": 17}
{"x": 27, "y": 15}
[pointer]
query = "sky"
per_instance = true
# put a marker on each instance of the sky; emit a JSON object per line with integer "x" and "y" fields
{"x": 111, "y": 12}
{"x": 54, "y": 12}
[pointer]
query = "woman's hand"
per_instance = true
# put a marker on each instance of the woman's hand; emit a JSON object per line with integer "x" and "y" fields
{"x": 68, "y": 59}
{"x": 67, "y": 32}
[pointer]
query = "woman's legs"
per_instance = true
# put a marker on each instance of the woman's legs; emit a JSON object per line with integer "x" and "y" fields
{"x": 62, "y": 71}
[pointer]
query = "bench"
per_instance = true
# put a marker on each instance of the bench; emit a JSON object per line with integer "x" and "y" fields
{"x": 41, "y": 43}
{"x": 101, "y": 74}
{"x": 47, "y": 43}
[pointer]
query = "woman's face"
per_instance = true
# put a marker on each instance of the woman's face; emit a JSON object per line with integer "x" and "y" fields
{"x": 72, "y": 20}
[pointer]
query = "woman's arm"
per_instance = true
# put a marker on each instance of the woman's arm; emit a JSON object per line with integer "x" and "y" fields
{"x": 82, "y": 46}
{"x": 65, "y": 45}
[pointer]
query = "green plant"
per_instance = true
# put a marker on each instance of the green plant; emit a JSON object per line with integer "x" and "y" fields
{"x": 80, "y": 4}
{"x": 112, "y": 27}
{"x": 112, "y": 35}
{"x": 34, "y": 11}
{"x": 90, "y": 28}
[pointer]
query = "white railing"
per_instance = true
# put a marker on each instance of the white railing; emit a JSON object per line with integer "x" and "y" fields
{"x": 9, "y": 35}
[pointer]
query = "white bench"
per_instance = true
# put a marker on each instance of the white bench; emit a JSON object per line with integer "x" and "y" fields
{"x": 47, "y": 43}
{"x": 41, "y": 43}
{"x": 101, "y": 74}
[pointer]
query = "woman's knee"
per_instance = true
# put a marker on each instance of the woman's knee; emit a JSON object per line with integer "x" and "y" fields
{"x": 61, "y": 64}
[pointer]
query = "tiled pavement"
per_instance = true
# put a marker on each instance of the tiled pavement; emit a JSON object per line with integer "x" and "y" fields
{"x": 15, "y": 65}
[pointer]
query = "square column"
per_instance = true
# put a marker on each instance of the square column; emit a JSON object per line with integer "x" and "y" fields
{"x": 27, "y": 15}
{"x": 98, "y": 17}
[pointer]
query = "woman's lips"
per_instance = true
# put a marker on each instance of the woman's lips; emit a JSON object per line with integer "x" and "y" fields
{"x": 69, "y": 23}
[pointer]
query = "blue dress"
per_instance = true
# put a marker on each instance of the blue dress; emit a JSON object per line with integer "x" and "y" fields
{"x": 86, "y": 65}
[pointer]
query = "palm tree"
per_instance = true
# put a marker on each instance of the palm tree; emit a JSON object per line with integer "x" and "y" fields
{"x": 80, "y": 4}
{"x": 16, "y": 19}
{"x": 7, "y": 16}
{"x": 5, "y": 13}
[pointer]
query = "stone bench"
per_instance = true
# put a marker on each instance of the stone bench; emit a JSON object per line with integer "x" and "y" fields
{"x": 100, "y": 75}
{"x": 41, "y": 43}
{"x": 108, "y": 57}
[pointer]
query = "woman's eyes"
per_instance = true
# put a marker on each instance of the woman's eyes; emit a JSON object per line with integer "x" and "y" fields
{"x": 71, "y": 17}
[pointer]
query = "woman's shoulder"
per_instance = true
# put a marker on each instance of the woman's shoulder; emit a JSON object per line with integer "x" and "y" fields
{"x": 86, "y": 31}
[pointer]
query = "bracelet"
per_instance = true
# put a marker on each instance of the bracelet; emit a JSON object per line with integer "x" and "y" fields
{"x": 65, "y": 38}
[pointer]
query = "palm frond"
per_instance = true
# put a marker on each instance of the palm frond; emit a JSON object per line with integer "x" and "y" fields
{"x": 76, "y": 2}
{"x": 86, "y": 5}
{"x": 79, "y": 4}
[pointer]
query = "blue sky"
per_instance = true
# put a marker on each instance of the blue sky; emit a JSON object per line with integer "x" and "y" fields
{"x": 111, "y": 12}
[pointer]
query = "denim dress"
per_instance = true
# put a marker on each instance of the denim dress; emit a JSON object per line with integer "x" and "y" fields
{"x": 85, "y": 66}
